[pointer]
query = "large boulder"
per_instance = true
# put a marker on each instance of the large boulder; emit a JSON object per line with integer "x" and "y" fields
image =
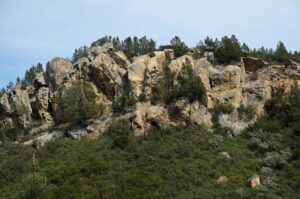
{"x": 107, "y": 75}
{"x": 253, "y": 64}
{"x": 226, "y": 85}
{"x": 136, "y": 73}
{"x": 254, "y": 181}
{"x": 56, "y": 71}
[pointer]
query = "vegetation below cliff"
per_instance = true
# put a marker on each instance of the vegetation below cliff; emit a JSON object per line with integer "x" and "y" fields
{"x": 171, "y": 163}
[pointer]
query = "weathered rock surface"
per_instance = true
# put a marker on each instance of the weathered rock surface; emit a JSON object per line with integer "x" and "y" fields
{"x": 21, "y": 108}
{"x": 57, "y": 69}
{"x": 136, "y": 72}
{"x": 233, "y": 122}
{"x": 192, "y": 113}
{"x": 250, "y": 83}
{"x": 254, "y": 181}
{"x": 44, "y": 138}
{"x": 222, "y": 179}
{"x": 253, "y": 64}
{"x": 106, "y": 74}
{"x": 148, "y": 117}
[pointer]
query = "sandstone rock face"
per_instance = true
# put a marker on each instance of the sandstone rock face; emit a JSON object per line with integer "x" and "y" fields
{"x": 192, "y": 113}
{"x": 250, "y": 83}
{"x": 136, "y": 73}
{"x": 120, "y": 58}
{"x": 147, "y": 117}
{"x": 226, "y": 85}
{"x": 106, "y": 74}
{"x": 5, "y": 105}
{"x": 56, "y": 71}
{"x": 169, "y": 54}
{"x": 177, "y": 64}
{"x": 42, "y": 103}
{"x": 21, "y": 107}
{"x": 202, "y": 69}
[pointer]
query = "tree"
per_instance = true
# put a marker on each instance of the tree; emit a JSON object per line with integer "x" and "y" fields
{"x": 10, "y": 86}
{"x": 126, "y": 100}
{"x": 179, "y": 47}
{"x": 128, "y": 47}
{"x": 245, "y": 48}
{"x": 79, "y": 53}
{"x": 31, "y": 73}
{"x": 79, "y": 103}
{"x": 281, "y": 54}
{"x": 164, "y": 85}
{"x": 229, "y": 50}
{"x": 189, "y": 86}
{"x": 18, "y": 81}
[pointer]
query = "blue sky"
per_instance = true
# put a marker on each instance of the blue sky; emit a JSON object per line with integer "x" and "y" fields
{"x": 33, "y": 31}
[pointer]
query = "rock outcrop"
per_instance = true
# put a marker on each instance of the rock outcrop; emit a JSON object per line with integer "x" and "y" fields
{"x": 253, "y": 64}
{"x": 249, "y": 83}
{"x": 56, "y": 71}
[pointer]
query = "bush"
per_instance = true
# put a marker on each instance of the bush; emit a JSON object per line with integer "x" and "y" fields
{"x": 229, "y": 50}
{"x": 179, "y": 47}
{"x": 220, "y": 109}
{"x": 123, "y": 102}
{"x": 189, "y": 86}
{"x": 246, "y": 113}
{"x": 215, "y": 141}
{"x": 119, "y": 127}
{"x": 78, "y": 103}
{"x": 276, "y": 160}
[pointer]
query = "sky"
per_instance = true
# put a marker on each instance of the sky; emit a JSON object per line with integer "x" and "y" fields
{"x": 33, "y": 31}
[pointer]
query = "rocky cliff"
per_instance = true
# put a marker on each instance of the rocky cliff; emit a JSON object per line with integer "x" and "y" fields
{"x": 36, "y": 110}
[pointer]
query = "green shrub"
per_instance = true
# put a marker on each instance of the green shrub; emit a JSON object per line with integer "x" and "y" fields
{"x": 189, "y": 87}
{"x": 229, "y": 50}
{"x": 246, "y": 113}
{"x": 179, "y": 47}
{"x": 79, "y": 103}
{"x": 276, "y": 160}
{"x": 119, "y": 127}
{"x": 10, "y": 133}
{"x": 215, "y": 141}
{"x": 218, "y": 110}
{"x": 123, "y": 102}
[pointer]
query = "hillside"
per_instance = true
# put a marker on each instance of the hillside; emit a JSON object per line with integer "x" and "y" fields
{"x": 167, "y": 123}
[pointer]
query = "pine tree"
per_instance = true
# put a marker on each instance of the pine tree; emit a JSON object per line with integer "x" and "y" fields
{"x": 179, "y": 47}
{"x": 281, "y": 54}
